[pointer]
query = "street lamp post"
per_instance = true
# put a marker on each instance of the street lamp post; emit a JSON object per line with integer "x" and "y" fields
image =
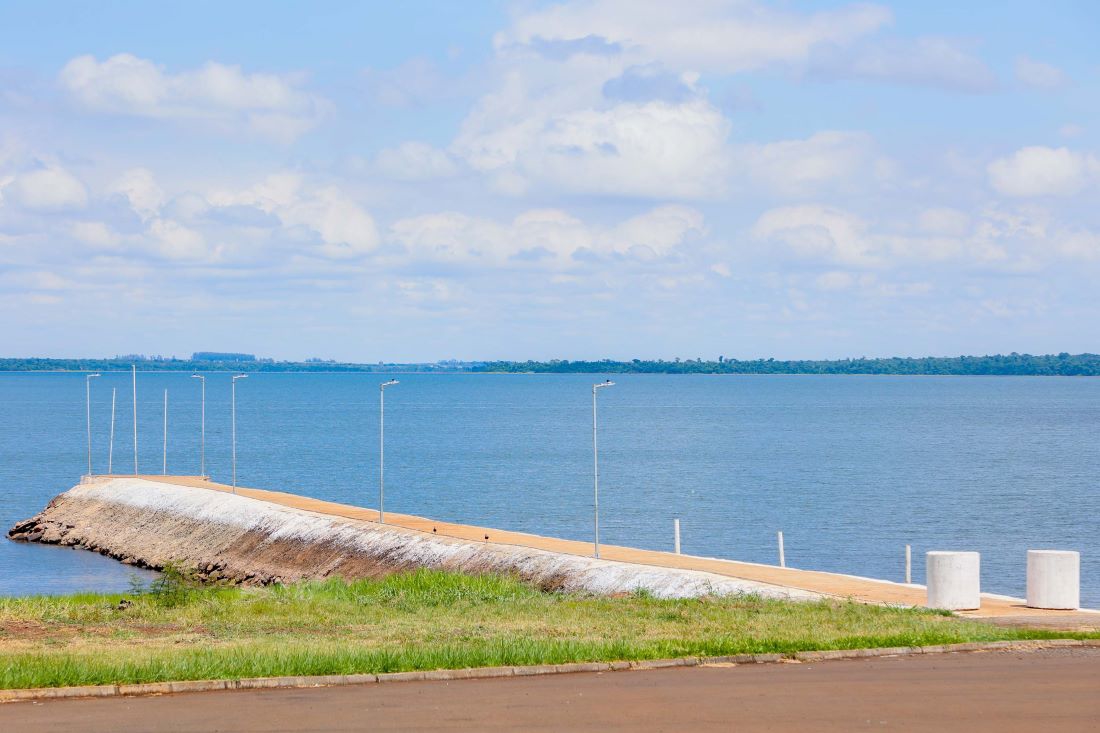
{"x": 133, "y": 382}
{"x": 382, "y": 448}
{"x": 202, "y": 429}
{"x": 88, "y": 405}
{"x": 596, "y": 467}
{"x": 234, "y": 411}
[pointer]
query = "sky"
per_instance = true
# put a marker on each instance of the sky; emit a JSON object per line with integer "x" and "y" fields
{"x": 421, "y": 181}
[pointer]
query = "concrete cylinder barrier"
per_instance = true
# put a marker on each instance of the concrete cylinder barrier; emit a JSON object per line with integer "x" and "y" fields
{"x": 1054, "y": 579}
{"x": 954, "y": 580}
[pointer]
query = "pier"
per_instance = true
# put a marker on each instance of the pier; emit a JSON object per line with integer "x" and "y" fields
{"x": 795, "y": 583}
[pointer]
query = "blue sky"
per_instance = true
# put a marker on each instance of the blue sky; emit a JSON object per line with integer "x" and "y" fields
{"x": 420, "y": 181}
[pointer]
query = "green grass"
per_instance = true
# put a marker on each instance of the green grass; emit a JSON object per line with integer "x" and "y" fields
{"x": 421, "y": 620}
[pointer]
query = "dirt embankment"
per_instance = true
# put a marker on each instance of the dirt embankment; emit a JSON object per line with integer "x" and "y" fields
{"x": 244, "y": 540}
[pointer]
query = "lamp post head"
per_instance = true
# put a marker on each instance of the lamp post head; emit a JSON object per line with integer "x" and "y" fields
{"x": 239, "y": 376}
{"x": 198, "y": 376}
{"x": 390, "y": 383}
{"x": 92, "y": 376}
{"x": 607, "y": 383}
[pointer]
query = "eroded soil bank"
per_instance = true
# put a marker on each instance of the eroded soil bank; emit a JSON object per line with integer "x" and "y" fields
{"x": 244, "y": 540}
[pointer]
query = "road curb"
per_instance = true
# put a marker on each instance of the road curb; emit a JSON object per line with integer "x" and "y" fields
{"x": 264, "y": 683}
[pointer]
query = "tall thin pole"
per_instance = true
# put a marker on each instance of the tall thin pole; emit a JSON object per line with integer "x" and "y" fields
{"x": 164, "y": 468}
{"x": 382, "y": 448}
{"x": 88, "y": 413}
{"x": 596, "y": 470}
{"x": 595, "y": 478}
{"x": 381, "y": 455}
{"x": 234, "y": 420}
{"x": 202, "y": 439}
{"x": 88, "y": 409}
{"x": 111, "y": 446}
{"x": 133, "y": 379}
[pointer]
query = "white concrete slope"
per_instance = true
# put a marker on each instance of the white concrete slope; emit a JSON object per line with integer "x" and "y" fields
{"x": 150, "y": 523}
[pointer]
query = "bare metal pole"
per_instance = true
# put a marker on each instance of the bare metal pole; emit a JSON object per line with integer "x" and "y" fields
{"x": 88, "y": 409}
{"x": 595, "y": 479}
{"x": 596, "y": 470}
{"x": 133, "y": 379}
{"x": 164, "y": 469}
{"x": 111, "y": 446}
{"x": 202, "y": 437}
{"x": 381, "y": 455}
{"x": 382, "y": 448}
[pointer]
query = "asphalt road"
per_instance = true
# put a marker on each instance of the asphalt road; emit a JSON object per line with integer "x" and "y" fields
{"x": 973, "y": 692}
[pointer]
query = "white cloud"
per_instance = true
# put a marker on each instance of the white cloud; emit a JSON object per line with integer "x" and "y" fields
{"x": 819, "y": 232}
{"x": 415, "y": 161}
{"x": 174, "y": 241}
{"x": 345, "y": 229}
{"x": 95, "y": 233}
{"x": 224, "y": 97}
{"x": 47, "y": 189}
{"x": 1079, "y": 244}
{"x": 798, "y": 166}
{"x": 1039, "y": 75}
{"x": 703, "y": 36}
{"x": 944, "y": 220}
{"x": 598, "y": 98}
{"x": 835, "y": 280}
{"x": 543, "y": 237}
{"x": 931, "y": 61}
{"x": 656, "y": 233}
{"x": 650, "y": 150}
{"x": 140, "y": 189}
{"x": 1024, "y": 239}
{"x": 1042, "y": 171}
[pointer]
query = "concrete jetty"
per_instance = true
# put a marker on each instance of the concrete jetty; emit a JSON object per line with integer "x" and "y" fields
{"x": 260, "y": 536}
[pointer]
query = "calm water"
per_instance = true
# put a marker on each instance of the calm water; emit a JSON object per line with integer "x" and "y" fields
{"x": 850, "y": 468}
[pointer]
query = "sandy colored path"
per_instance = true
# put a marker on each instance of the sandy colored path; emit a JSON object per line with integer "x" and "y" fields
{"x": 999, "y": 609}
{"x": 1051, "y": 690}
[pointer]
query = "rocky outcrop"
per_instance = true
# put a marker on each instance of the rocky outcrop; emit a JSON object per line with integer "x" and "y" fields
{"x": 243, "y": 540}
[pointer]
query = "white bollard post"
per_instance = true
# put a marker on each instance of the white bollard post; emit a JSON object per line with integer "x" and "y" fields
{"x": 954, "y": 580}
{"x": 908, "y": 565}
{"x": 676, "y": 535}
{"x": 1054, "y": 579}
{"x": 782, "y": 558}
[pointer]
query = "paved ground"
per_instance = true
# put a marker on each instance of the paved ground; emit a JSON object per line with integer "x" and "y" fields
{"x": 973, "y": 692}
{"x": 1005, "y": 611}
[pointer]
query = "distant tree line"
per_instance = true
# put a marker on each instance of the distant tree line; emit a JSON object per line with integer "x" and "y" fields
{"x": 164, "y": 364}
{"x": 221, "y": 356}
{"x": 1064, "y": 365}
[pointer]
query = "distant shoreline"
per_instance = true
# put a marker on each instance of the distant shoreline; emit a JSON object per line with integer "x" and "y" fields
{"x": 1018, "y": 365}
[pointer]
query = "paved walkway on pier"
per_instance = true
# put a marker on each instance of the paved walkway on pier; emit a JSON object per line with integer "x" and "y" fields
{"x": 998, "y": 609}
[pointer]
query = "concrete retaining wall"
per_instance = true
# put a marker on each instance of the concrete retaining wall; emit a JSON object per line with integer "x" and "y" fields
{"x": 231, "y": 537}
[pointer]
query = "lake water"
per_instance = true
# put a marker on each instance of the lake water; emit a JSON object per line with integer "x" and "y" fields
{"x": 850, "y": 468}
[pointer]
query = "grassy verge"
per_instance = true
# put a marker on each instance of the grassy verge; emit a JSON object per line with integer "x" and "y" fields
{"x": 421, "y": 620}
